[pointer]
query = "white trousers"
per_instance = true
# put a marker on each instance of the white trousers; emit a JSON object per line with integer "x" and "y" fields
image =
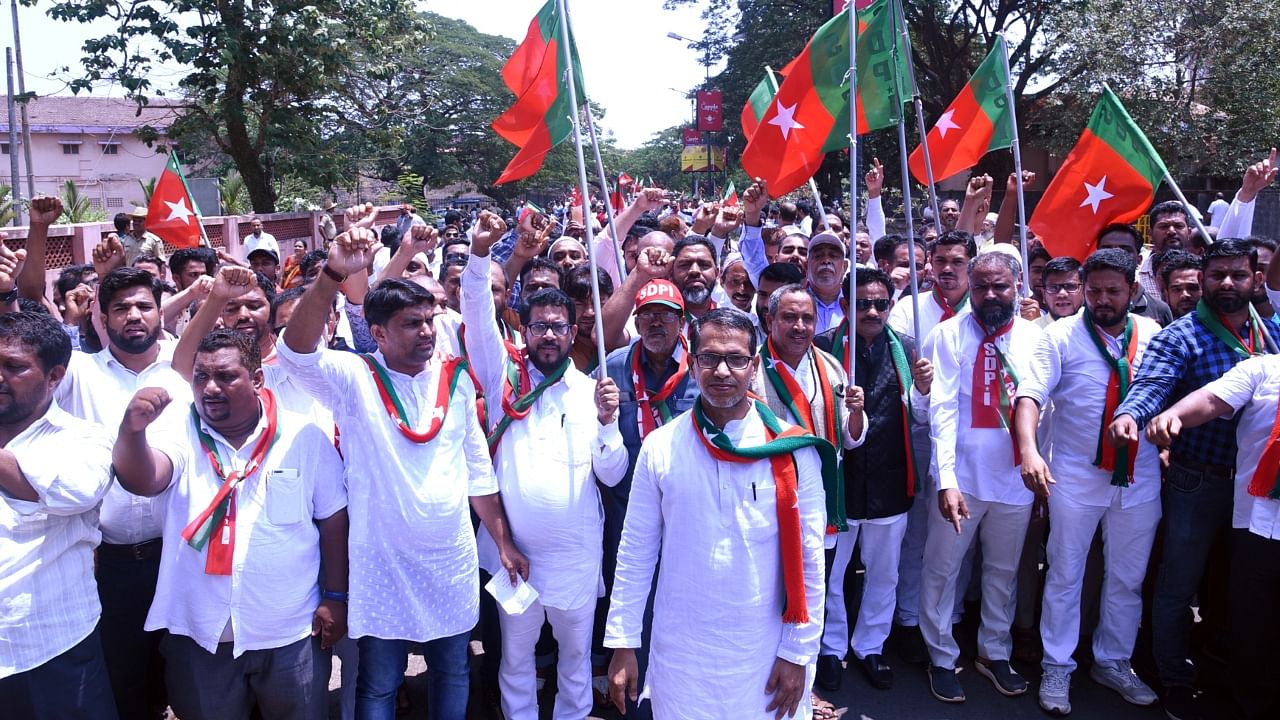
{"x": 1002, "y": 529}
{"x": 517, "y": 676}
{"x": 1127, "y": 534}
{"x": 881, "y": 546}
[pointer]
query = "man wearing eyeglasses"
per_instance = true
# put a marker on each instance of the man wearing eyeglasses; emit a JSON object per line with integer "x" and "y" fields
{"x": 881, "y": 480}
{"x": 727, "y": 508}
{"x": 1063, "y": 291}
{"x": 553, "y": 434}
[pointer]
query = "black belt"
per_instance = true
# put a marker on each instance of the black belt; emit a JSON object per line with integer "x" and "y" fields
{"x": 147, "y": 550}
{"x": 1227, "y": 472}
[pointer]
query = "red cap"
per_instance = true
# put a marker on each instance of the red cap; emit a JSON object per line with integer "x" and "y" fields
{"x": 660, "y": 292}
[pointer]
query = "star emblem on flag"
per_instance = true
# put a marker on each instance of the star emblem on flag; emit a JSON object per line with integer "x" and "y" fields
{"x": 945, "y": 123}
{"x": 179, "y": 211}
{"x": 786, "y": 120}
{"x": 1096, "y": 194}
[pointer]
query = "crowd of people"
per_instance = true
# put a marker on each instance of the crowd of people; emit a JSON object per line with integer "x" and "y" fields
{"x": 219, "y": 471}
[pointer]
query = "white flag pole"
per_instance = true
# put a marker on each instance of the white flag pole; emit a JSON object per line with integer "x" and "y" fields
{"x": 582, "y": 180}
{"x": 1017, "y": 166}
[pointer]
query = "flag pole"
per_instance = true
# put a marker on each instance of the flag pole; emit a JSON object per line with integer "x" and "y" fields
{"x": 850, "y": 292}
{"x": 615, "y": 242}
{"x": 1017, "y": 167}
{"x": 575, "y": 118}
{"x": 901, "y": 18}
{"x": 1177, "y": 191}
{"x": 906, "y": 202}
{"x": 813, "y": 186}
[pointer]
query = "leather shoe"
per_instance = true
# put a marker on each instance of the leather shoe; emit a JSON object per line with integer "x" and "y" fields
{"x": 878, "y": 672}
{"x": 830, "y": 673}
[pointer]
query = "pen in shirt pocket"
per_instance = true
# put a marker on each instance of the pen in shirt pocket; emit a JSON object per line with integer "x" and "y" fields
{"x": 753, "y": 492}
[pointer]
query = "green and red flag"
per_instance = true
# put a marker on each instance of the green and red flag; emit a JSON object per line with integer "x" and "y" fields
{"x": 529, "y": 208}
{"x": 172, "y": 213}
{"x": 757, "y": 105}
{"x": 809, "y": 114}
{"x": 974, "y": 124}
{"x": 730, "y": 196}
{"x": 540, "y": 117}
{"x": 1110, "y": 176}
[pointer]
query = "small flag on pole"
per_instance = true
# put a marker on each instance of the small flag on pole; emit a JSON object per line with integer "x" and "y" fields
{"x": 172, "y": 214}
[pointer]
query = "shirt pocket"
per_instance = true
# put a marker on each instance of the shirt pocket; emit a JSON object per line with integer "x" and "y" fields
{"x": 285, "y": 500}
{"x": 758, "y": 511}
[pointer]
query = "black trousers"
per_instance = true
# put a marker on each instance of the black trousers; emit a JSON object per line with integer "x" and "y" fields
{"x": 71, "y": 685}
{"x": 1255, "y": 624}
{"x": 126, "y": 588}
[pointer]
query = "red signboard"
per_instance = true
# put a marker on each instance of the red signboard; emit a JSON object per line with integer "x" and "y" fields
{"x": 692, "y": 137}
{"x": 710, "y": 111}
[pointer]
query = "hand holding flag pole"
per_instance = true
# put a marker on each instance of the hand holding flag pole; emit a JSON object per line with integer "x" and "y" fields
{"x": 1017, "y": 168}
{"x": 575, "y": 118}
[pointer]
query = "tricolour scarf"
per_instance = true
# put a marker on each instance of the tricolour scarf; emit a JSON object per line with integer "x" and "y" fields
{"x": 948, "y": 311}
{"x": 519, "y": 393}
{"x": 1120, "y": 461}
{"x": 217, "y": 522}
{"x": 902, "y": 367}
{"x": 652, "y": 411}
{"x": 446, "y": 382}
{"x": 1256, "y": 344}
{"x": 778, "y": 448}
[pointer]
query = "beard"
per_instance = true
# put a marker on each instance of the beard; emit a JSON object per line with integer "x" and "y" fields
{"x": 1227, "y": 304}
{"x": 1109, "y": 317}
{"x": 547, "y": 357}
{"x": 698, "y": 296}
{"x": 133, "y": 345}
{"x": 995, "y": 314}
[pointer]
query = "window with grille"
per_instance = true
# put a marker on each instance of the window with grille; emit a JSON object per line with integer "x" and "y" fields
{"x": 70, "y": 149}
{"x": 115, "y": 202}
{"x": 111, "y": 148}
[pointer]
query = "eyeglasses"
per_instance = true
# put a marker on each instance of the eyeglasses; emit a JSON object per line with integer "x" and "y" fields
{"x": 451, "y": 234}
{"x": 1055, "y": 288}
{"x": 538, "y": 329}
{"x": 711, "y": 361}
{"x": 865, "y": 304}
{"x": 647, "y": 316}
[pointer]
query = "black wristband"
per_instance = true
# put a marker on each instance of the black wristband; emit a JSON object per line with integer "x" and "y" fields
{"x": 333, "y": 274}
{"x": 333, "y": 595}
{"x": 10, "y": 296}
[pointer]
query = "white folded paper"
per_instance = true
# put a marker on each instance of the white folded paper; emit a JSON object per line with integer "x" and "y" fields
{"x": 514, "y": 600}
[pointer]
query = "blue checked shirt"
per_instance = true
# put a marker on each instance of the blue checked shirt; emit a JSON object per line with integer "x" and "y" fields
{"x": 1181, "y": 359}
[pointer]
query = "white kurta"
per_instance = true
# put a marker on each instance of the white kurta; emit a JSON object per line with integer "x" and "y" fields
{"x": 717, "y": 621}
{"x": 414, "y": 570}
{"x": 977, "y": 461}
{"x": 902, "y": 318}
{"x": 1252, "y": 389}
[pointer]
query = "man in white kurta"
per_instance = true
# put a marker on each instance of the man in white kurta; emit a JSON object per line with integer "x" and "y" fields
{"x": 414, "y": 567}
{"x": 1068, "y": 369}
{"x": 979, "y": 485}
{"x": 711, "y": 529}
{"x": 547, "y": 466}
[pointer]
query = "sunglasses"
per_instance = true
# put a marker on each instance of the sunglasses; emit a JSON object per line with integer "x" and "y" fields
{"x": 865, "y": 304}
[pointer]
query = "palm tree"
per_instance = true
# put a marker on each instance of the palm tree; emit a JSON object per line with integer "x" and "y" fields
{"x": 233, "y": 195}
{"x": 76, "y": 207}
{"x": 148, "y": 187}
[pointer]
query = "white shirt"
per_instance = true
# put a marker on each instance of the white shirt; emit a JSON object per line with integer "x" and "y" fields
{"x": 1218, "y": 212}
{"x": 976, "y": 461}
{"x": 97, "y": 387}
{"x": 902, "y": 317}
{"x": 1252, "y": 388}
{"x": 414, "y": 572}
{"x": 545, "y": 463}
{"x": 261, "y": 241}
{"x": 717, "y": 618}
{"x": 273, "y": 590}
{"x": 828, "y": 315}
{"x": 48, "y": 597}
{"x": 805, "y": 378}
{"x": 1067, "y": 370}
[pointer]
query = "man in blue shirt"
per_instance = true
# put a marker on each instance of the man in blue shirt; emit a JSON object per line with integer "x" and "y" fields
{"x": 1200, "y": 481}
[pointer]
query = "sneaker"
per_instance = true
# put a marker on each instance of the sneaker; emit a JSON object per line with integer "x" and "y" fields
{"x": 1002, "y": 675}
{"x": 1119, "y": 676}
{"x": 1055, "y": 691}
{"x": 945, "y": 685}
{"x": 1180, "y": 703}
{"x": 830, "y": 672}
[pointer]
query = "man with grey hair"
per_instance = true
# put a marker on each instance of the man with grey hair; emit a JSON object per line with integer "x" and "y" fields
{"x": 978, "y": 358}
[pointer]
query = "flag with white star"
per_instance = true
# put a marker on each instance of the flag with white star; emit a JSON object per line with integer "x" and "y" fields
{"x": 172, "y": 213}
{"x": 974, "y": 124}
{"x": 1110, "y": 176}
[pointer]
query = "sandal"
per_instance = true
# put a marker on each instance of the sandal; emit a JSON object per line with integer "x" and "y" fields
{"x": 823, "y": 710}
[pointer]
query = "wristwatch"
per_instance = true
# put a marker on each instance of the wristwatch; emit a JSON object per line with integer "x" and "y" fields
{"x": 10, "y": 296}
